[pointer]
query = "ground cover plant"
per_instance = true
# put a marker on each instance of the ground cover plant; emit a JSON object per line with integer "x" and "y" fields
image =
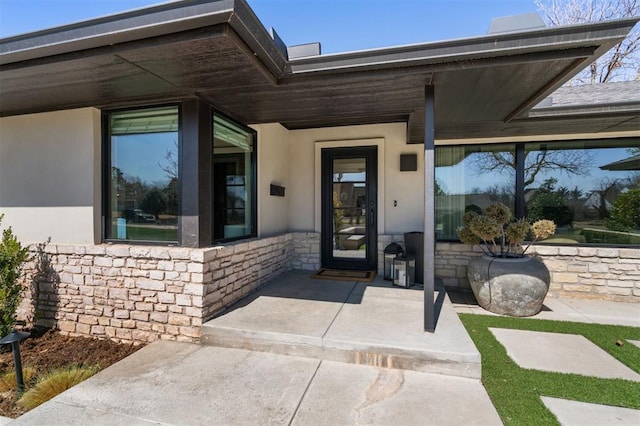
{"x": 515, "y": 391}
{"x": 51, "y": 352}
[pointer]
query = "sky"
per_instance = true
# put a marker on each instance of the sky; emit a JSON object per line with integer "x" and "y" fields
{"x": 339, "y": 25}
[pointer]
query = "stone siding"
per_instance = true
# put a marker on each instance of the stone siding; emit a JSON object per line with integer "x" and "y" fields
{"x": 306, "y": 251}
{"x": 452, "y": 261}
{"x": 135, "y": 293}
{"x": 126, "y": 293}
{"x": 236, "y": 269}
{"x": 580, "y": 272}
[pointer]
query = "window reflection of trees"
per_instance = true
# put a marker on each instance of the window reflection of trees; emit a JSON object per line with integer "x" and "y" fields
{"x": 589, "y": 202}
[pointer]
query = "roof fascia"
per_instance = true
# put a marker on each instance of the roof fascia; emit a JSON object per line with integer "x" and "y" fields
{"x": 145, "y": 23}
{"x": 601, "y": 108}
{"x": 247, "y": 25}
{"x": 495, "y": 45}
{"x": 120, "y": 28}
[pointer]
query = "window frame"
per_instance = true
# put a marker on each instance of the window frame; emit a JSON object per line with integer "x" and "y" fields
{"x": 106, "y": 162}
{"x": 520, "y": 150}
{"x": 254, "y": 179}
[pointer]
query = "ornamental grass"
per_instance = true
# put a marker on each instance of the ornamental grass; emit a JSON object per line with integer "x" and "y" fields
{"x": 54, "y": 384}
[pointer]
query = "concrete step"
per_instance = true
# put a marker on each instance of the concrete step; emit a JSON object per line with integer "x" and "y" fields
{"x": 360, "y": 323}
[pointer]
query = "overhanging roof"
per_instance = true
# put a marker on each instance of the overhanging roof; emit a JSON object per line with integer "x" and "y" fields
{"x": 631, "y": 163}
{"x": 220, "y": 52}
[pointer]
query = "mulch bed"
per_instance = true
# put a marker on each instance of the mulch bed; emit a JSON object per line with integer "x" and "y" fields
{"x": 49, "y": 350}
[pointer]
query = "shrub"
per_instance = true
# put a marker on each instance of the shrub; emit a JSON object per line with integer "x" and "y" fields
{"x": 54, "y": 384}
{"x": 12, "y": 259}
{"x": 625, "y": 214}
{"x": 552, "y": 206}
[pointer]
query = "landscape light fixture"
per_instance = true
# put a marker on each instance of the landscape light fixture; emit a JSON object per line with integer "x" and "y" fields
{"x": 15, "y": 337}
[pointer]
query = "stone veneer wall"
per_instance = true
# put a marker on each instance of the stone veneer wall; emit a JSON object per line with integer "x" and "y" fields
{"x": 124, "y": 292}
{"x": 581, "y": 272}
{"x": 139, "y": 293}
{"x": 144, "y": 293}
{"x": 237, "y": 269}
{"x": 306, "y": 251}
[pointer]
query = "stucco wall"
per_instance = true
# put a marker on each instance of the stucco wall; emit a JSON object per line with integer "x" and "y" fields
{"x": 407, "y": 188}
{"x": 50, "y": 175}
{"x": 273, "y": 168}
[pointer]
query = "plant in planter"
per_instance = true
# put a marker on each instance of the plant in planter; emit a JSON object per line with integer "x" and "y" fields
{"x": 504, "y": 279}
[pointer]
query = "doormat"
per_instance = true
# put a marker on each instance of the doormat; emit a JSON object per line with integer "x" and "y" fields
{"x": 344, "y": 275}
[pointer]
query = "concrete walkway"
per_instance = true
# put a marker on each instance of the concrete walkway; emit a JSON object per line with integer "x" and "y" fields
{"x": 314, "y": 352}
{"x": 185, "y": 384}
{"x": 577, "y": 310}
{"x": 306, "y": 338}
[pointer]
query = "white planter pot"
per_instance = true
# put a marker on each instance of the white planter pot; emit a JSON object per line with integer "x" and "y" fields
{"x": 513, "y": 286}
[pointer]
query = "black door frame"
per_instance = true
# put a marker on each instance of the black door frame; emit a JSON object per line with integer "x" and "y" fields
{"x": 370, "y": 153}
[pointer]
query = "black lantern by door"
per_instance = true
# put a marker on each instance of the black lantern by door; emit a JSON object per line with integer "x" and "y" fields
{"x": 391, "y": 251}
{"x": 404, "y": 270}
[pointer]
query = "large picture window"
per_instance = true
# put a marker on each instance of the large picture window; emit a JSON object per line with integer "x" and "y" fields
{"x": 590, "y": 189}
{"x": 143, "y": 175}
{"x": 234, "y": 180}
{"x": 467, "y": 179}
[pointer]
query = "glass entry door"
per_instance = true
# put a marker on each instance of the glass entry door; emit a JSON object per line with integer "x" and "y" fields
{"x": 349, "y": 208}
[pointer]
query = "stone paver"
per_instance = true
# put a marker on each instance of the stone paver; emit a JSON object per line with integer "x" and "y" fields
{"x": 574, "y": 413}
{"x": 563, "y": 353}
{"x": 4, "y": 420}
{"x": 634, "y": 342}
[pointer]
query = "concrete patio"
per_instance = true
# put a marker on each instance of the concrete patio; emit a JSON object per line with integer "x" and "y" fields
{"x": 362, "y": 323}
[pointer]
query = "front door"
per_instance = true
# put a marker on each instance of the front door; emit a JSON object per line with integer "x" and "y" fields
{"x": 349, "y": 208}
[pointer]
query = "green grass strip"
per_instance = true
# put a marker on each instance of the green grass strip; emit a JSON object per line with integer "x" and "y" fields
{"x": 515, "y": 391}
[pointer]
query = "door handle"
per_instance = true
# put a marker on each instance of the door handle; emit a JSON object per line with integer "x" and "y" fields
{"x": 372, "y": 216}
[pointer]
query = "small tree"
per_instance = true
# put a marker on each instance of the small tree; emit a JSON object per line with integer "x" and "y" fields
{"x": 625, "y": 214}
{"x": 154, "y": 202}
{"x": 12, "y": 259}
{"x": 552, "y": 206}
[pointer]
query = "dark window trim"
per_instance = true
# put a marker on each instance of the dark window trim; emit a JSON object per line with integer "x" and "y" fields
{"x": 106, "y": 174}
{"x": 254, "y": 178}
{"x": 520, "y": 149}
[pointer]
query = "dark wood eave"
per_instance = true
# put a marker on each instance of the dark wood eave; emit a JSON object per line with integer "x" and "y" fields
{"x": 219, "y": 51}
